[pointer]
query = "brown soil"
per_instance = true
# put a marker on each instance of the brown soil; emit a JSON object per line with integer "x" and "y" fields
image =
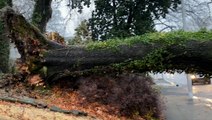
{"x": 65, "y": 99}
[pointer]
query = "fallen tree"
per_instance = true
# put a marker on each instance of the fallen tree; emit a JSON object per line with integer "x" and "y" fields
{"x": 181, "y": 51}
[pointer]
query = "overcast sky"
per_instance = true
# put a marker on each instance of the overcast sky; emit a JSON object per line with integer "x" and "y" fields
{"x": 73, "y": 18}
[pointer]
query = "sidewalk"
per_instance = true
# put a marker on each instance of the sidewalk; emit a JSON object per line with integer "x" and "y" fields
{"x": 180, "y": 107}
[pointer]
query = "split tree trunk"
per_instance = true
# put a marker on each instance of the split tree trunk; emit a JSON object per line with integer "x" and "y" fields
{"x": 36, "y": 52}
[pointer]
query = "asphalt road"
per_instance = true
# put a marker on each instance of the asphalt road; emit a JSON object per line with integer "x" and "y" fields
{"x": 178, "y": 106}
{"x": 204, "y": 91}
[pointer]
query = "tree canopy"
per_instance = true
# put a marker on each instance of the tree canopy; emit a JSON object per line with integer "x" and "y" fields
{"x": 82, "y": 35}
{"x": 124, "y": 18}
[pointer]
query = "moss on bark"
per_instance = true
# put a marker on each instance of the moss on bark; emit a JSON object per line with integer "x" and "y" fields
{"x": 4, "y": 50}
{"x": 4, "y": 41}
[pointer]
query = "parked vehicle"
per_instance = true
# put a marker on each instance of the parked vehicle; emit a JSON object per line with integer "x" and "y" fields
{"x": 200, "y": 79}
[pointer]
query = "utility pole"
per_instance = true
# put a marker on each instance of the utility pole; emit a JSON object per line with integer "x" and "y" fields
{"x": 188, "y": 76}
{"x": 189, "y": 84}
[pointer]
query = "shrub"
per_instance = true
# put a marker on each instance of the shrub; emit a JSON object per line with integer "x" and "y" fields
{"x": 131, "y": 95}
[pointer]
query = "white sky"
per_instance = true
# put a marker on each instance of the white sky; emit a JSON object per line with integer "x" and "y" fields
{"x": 73, "y": 18}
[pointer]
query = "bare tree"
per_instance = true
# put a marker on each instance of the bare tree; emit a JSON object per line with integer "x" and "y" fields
{"x": 57, "y": 21}
{"x": 25, "y": 7}
{"x": 198, "y": 16}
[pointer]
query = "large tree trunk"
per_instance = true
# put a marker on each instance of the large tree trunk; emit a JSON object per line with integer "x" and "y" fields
{"x": 4, "y": 42}
{"x": 10, "y": 2}
{"x": 41, "y": 14}
{"x": 135, "y": 54}
{"x": 194, "y": 56}
{"x": 4, "y": 50}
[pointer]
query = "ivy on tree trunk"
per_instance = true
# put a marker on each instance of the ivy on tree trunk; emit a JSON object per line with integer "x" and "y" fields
{"x": 4, "y": 42}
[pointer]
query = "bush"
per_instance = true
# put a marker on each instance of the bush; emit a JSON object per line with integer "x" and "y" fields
{"x": 131, "y": 95}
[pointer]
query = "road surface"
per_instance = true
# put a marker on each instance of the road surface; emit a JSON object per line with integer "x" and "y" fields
{"x": 180, "y": 107}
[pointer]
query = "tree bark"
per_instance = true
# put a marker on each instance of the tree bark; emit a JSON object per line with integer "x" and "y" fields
{"x": 194, "y": 56}
{"x": 41, "y": 14}
{"x": 191, "y": 55}
{"x": 4, "y": 42}
{"x": 4, "y": 50}
{"x": 10, "y": 3}
{"x": 28, "y": 39}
